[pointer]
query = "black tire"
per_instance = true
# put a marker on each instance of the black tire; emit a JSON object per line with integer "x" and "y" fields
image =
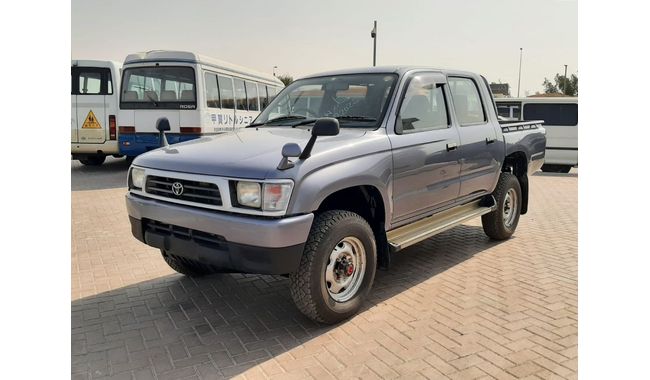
{"x": 549, "y": 168}
{"x": 187, "y": 267}
{"x": 93, "y": 160}
{"x": 308, "y": 284}
{"x": 494, "y": 224}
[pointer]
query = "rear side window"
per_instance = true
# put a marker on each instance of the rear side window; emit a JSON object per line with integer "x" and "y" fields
{"x": 211, "y": 90}
{"x": 423, "y": 107}
{"x": 91, "y": 81}
{"x": 509, "y": 109}
{"x": 467, "y": 101}
{"x": 251, "y": 91}
{"x": 552, "y": 114}
{"x": 226, "y": 92}
{"x": 240, "y": 94}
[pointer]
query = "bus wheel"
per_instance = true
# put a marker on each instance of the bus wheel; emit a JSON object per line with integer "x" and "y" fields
{"x": 93, "y": 160}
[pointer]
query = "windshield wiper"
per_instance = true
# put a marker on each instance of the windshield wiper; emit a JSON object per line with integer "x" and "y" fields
{"x": 281, "y": 118}
{"x": 355, "y": 118}
{"x": 155, "y": 103}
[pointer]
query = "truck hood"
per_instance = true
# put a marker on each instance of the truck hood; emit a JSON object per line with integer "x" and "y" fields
{"x": 247, "y": 153}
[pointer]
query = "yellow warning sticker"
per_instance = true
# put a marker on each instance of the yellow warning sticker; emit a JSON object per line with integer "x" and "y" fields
{"x": 91, "y": 121}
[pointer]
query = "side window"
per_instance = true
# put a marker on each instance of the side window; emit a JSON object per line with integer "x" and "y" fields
{"x": 251, "y": 90}
{"x": 226, "y": 92}
{"x": 467, "y": 101}
{"x": 240, "y": 94}
{"x": 552, "y": 113}
{"x": 511, "y": 110}
{"x": 264, "y": 98}
{"x": 423, "y": 107}
{"x": 90, "y": 83}
{"x": 109, "y": 79}
{"x": 211, "y": 90}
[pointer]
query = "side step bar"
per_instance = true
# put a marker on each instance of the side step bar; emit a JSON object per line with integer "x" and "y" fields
{"x": 415, "y": 232}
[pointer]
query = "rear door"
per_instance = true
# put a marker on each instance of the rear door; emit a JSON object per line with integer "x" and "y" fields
{"x": 90, "y": 86}
{"x": 425, "y": 149}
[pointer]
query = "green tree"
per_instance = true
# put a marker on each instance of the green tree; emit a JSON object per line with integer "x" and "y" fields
{"x": 286, "y": 79}
{"x": 561, "y": 84}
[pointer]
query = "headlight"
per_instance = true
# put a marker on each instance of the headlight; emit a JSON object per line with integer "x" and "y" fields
{"x": 137, "y": 178}
{"x": 249, "y": 194}
{"x": 276, "y": 196}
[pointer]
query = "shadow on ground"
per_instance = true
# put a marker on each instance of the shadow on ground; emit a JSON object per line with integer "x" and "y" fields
{"x": 224, "y": 324}
{"x": 110, "y": 175}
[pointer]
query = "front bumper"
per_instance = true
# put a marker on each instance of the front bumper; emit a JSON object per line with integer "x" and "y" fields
{"x": 227, "y": 242}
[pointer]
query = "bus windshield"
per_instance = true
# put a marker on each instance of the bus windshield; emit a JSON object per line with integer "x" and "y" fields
{"x": 357, "y": 100}
{"x": 166, "y": 87}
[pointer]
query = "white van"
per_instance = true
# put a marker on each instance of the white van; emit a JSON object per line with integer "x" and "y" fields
{"x": 560, "y": 115}
{"x": 95, "y": 92}
{"x": 197, "y": 94}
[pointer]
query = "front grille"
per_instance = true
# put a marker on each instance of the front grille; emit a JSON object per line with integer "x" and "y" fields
{"x": 193, "y": 191}
{"x": 202, "y": 238}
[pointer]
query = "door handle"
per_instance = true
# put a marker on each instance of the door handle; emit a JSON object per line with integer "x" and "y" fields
{"x": 451, "y": 146}
{"x": 489, "y": 140}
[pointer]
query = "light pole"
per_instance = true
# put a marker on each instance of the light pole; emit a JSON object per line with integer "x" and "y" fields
{"x": 274, "y": 67}
{"x": 521, "y": 52}
{"x": 373, "y": 34}
{"x": 565, "y": 79}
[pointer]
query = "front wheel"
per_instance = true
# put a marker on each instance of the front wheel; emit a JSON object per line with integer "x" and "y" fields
{"x": 337, "y": 268}
{"x": 501, "y": 223}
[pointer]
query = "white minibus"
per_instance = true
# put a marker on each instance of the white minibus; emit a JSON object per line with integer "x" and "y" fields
{"x": 560, "y": 115}
{"x": 197, "y": 94}
{"x": 95, "y": 92}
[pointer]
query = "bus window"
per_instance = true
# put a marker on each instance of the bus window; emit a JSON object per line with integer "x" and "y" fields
{"x": 251, "y": 91}
{"x": 158, "y": 87}
{"x": 264, "y": 98}
{"x": 226, "y": 93}
{"x": 552, "y": 114}
{"x": 240, "y": 94}
{"x": 273, "y": 91}
{"x": 211, "y": 90}
{"x": 91, "y": 81}
{"x": 511, "y": 110}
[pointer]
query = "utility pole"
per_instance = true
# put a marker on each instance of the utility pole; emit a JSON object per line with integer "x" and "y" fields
{"x": 565, "y": 80}
{"x": 373, "y": 34}
{"x": 521, "y": 52}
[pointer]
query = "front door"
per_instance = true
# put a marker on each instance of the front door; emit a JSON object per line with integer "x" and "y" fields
{"x": 90, "y": 87}
{"x": 425, "y": 149}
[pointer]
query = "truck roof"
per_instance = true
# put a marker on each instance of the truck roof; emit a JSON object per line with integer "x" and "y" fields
{"x": 394, "y": 69}
{"x": 191, "y": 57}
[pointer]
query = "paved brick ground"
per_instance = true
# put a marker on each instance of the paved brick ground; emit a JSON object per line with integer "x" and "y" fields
{"x": 455, "y": 306}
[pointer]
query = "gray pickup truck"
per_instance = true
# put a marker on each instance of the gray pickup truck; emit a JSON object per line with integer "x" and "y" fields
{"x": 341, "y": 170}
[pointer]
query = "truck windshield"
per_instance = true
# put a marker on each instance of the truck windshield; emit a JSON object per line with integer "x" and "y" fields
{"x": 158, "y": 87}
{"x": 357, "y": 100}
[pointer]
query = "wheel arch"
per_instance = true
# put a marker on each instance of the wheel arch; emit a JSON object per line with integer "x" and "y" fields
{"x": 517, "y": 164}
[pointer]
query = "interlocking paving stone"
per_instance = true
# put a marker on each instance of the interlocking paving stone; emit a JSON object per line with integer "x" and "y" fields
{"x": 454, "y": 306}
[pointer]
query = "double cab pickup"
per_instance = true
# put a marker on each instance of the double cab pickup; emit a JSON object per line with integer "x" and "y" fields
{"x": 340, "y": 171}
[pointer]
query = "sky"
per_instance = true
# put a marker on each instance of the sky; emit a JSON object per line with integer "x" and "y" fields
{"x": 302, "y": 37}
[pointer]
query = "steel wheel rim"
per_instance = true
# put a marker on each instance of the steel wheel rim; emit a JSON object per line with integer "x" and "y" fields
{"x": 510, "y": 207}
{"x": 345, "y": 269}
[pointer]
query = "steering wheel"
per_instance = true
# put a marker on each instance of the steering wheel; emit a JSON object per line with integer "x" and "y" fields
{"x": 306, "y": 110}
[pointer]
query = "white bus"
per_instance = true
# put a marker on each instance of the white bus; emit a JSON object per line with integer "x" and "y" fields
{"x": 197, "y": 94}
{"x": 95, "y": 92}
{"x": 560, "y": 115}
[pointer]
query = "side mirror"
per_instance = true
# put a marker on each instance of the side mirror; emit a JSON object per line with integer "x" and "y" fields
{"x": 289, "y": 150}
{"x": 162, "y": 125}
{"x": 325, "y": 126}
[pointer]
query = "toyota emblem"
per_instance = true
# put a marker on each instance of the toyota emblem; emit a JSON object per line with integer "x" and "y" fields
{"x": 177, "y": 188}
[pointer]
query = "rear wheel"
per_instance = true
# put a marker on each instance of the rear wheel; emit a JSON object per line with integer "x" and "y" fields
{"x": 501, "y": 223}
{"x": 95, "y": 160}
{"x": 549, "y": 168}
{"x": 337, "y": 268}
{"x": 187, "y": 267}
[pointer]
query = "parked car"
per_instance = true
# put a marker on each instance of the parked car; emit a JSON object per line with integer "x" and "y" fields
{"x": 340, "y": 171}
{"x": 560, "y": 115}
{"x": 95, "y": 91}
